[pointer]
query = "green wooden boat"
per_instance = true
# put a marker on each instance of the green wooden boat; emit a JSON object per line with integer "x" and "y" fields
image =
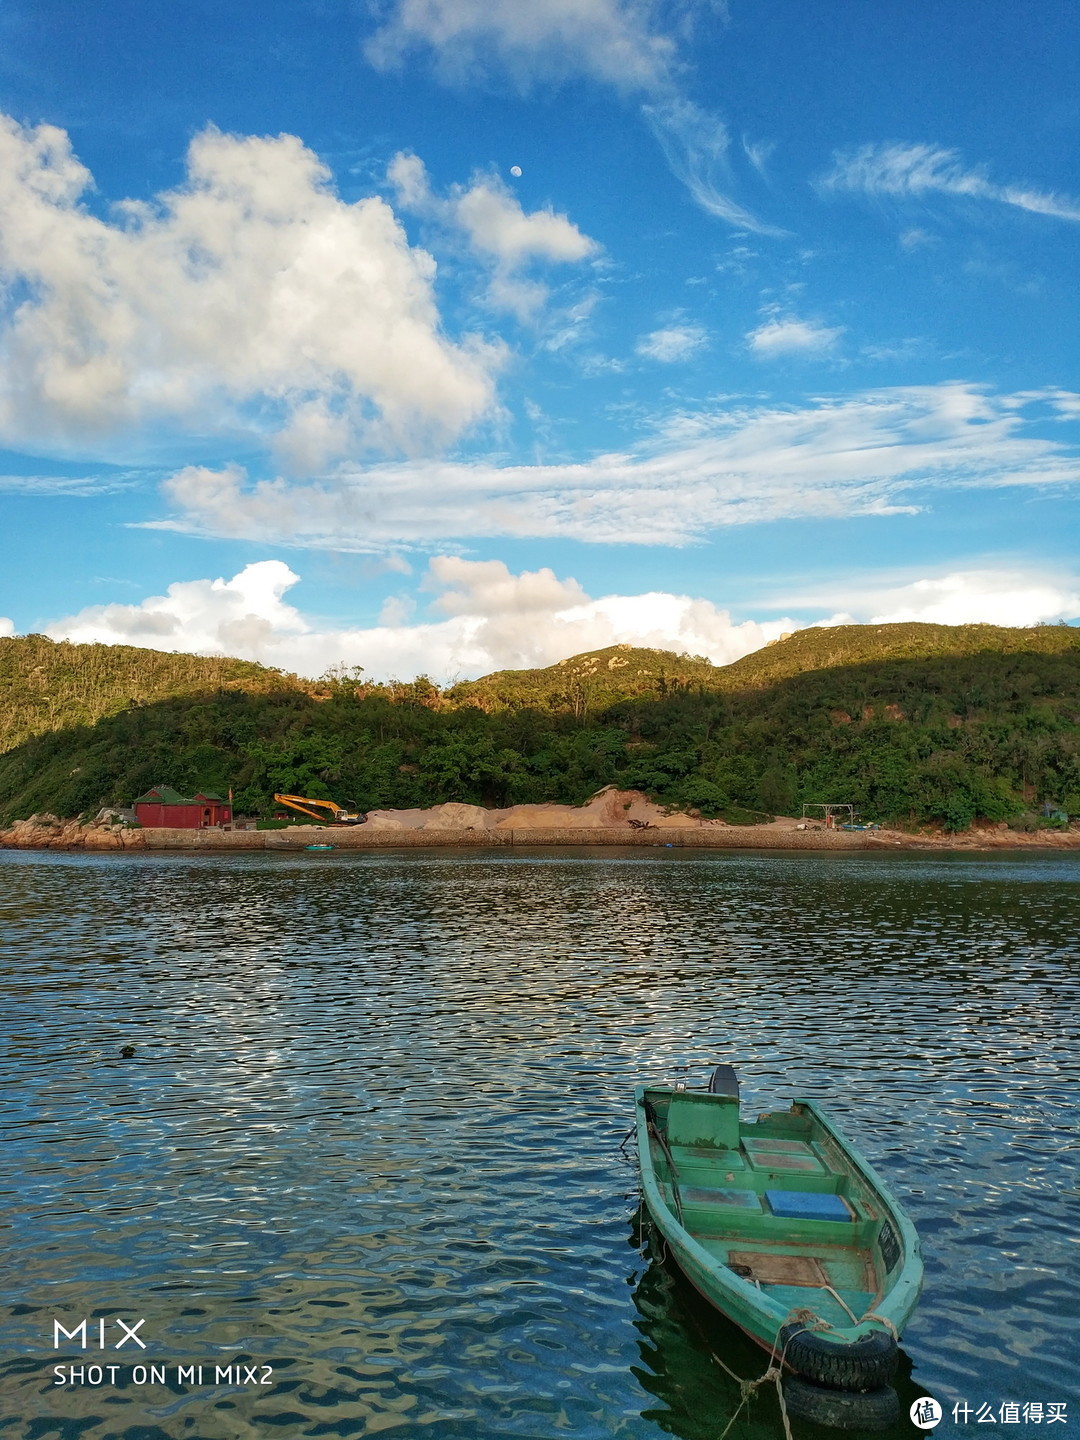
{"x": 783, "y": 1227}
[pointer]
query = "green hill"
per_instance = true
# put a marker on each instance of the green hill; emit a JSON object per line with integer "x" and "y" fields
{"x": 908, "y": 722}
{"x": 50, "y": 685}
{"x": 599, "y": 678}
{"x": 588, "y": 682}
{"x": 827, "y": 647}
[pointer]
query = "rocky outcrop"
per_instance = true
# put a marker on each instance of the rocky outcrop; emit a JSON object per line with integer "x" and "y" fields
{"x": 47, "y": 832}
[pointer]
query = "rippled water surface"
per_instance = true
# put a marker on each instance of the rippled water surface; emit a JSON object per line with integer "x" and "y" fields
{"x": 370, "y": 1135}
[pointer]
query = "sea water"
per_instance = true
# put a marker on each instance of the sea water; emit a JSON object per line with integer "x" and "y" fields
{"x": 366, "y": 1171}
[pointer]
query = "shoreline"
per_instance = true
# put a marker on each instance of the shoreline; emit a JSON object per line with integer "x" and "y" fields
{"x": 101, "y": 839}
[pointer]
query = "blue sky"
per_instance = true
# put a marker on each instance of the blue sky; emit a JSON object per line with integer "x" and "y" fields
{"x": 448, "y": 335}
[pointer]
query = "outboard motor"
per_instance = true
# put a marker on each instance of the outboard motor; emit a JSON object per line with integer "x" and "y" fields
{"x": 724, "y": 1081}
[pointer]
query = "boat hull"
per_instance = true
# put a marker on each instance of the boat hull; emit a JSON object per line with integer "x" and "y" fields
{"x": 783, "y": 1228}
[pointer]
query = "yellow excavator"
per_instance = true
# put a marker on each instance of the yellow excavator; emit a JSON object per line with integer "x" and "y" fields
{"x": 340, "y": 815}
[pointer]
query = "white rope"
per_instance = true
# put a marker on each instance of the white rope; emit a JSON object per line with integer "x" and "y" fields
{"x": 883, "y": 1320}
{"x": 775, "y": 1372}
{"x": 871, "y": 1314}
{"x": 843, "y": 1304}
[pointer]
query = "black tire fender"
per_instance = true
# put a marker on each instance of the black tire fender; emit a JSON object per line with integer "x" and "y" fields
{"x": 865, "y": 1364}
{"x": 842, "y": 1409}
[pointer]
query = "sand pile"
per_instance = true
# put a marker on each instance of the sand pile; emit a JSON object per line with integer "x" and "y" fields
{"x": 451, "y": 816}
{"x": 608, "y": 809}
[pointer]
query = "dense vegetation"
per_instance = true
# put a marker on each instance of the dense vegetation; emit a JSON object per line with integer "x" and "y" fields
{"x": 601, "y": 677}
{"x": 47, "y": 685}
{"x": 909, "y": 722}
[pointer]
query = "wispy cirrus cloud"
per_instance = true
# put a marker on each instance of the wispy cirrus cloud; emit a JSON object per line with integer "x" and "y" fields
{"x": 914, "y": 172}
{"x": 875, "y": 453}
{"x": 697, "y": 145}
{"x": 634, "y": 46}
{"x": 74, "y": 485}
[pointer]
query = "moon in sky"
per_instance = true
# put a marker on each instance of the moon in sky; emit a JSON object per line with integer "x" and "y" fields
{"x": 515, "y": 170}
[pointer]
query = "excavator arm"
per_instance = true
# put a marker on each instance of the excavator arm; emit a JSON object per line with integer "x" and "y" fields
{"x": 301, "y": 803}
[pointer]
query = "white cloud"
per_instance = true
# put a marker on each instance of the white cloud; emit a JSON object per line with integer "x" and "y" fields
{"x": 490, "y": 619}
{"x": 676, "y": 342}
{"x": 759, "y": 153}
{"x": 902, "y": 171}
{"x": 66, "y": 484}
{"x": 911, "y": 347}
{"x": 243, "y": 616}
{"x": 915, "y": 238}
{"x": 487, "y": 587}
{"x": 696, "y": 145}
{"x": 487, "y": 618}
{"x": 991, "y": 597}
{"x": 632, "y": 45}
{"x": 251, "y": 299}
{"x": 792, "y": 337}
{"x": 998, "y": 596}
{"x": 871, "y": 453}
{"x": 496, "y": 228}
{"x": 7, "y": 627}
{"x": 620, "y": 42}
{"x": 570, "y": 325}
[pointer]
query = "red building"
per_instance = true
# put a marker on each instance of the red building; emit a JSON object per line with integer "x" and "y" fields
{"x": 162, "y": 806}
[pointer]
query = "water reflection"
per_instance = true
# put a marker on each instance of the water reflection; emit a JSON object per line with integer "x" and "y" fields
{"x": 679, "y": 1336}
{"x": 370, "y": 1134}
{"x": 683, "y": 1341}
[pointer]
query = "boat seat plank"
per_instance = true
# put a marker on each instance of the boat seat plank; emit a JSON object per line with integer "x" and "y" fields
{"x": 736, "y": 1225}
{"x": 770, "y": 1145}
{"x": 729, "y": 1168}
{"x": 740, "y": 1199}
{"x": 794, "y": 1155}
{"x": 687, "y": 1157}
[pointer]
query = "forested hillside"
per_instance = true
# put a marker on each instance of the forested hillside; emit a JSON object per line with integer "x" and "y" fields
{"x": 51, "y": 685}
{"x": 601, "y": 677}
{"x": 924, "y": 723}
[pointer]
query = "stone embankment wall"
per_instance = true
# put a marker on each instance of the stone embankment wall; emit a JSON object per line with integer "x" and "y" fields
{"x": 46, "y": 832}
{"x": 63, "y": 835}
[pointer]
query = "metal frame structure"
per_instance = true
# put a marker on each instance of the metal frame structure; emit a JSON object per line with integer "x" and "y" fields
{"x": 829, "y": 814}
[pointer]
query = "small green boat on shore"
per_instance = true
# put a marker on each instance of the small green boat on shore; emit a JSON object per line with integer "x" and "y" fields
{"x": 785, "y": 1229}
